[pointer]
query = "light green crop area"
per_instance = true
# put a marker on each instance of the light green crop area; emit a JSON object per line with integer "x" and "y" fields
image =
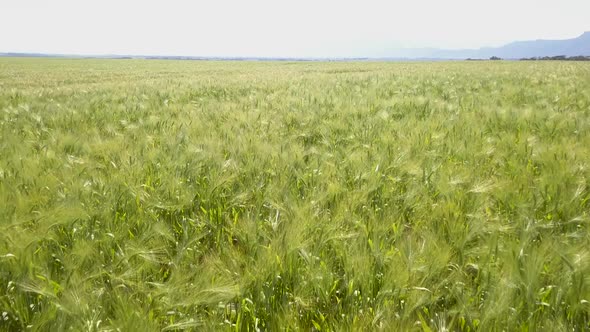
{"x": 241, "y": 196}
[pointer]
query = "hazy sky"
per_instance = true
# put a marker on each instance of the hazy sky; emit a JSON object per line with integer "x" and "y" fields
{"x": 280, "y": 28}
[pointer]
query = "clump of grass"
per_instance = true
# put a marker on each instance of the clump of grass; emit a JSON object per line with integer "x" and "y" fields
{"x": 163, "y": 195}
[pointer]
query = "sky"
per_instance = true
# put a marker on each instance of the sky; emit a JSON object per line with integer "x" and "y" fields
{"x": 280, "y": 28}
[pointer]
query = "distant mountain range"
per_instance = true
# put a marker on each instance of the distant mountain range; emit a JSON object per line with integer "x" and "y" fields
{"x": 579, "y": 46}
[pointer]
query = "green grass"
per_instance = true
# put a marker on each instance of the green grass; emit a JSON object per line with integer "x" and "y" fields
{"x": 242, "y": 196}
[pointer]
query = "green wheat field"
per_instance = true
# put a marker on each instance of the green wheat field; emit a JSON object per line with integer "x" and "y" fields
{"x": 140, "y": 195}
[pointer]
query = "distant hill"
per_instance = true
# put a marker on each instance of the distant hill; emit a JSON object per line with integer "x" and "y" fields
{"x": 516, "y": 50}
{"x": 540, "y": 48}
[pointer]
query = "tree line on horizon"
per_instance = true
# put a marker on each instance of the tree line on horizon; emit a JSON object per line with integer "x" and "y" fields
{"x": 544, "y": 58}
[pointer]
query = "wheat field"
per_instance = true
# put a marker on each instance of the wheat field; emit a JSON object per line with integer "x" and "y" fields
{"x": 140, "y": 195}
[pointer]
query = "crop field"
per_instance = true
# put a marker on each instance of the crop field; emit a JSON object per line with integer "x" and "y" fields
{"x": 140, "y": 195}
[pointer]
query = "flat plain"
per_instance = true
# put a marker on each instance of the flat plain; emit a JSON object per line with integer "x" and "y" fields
{"x": 142, "y": 195}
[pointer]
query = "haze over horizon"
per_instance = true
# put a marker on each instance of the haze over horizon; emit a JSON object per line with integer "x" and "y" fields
{"x": 265, "y": 28}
